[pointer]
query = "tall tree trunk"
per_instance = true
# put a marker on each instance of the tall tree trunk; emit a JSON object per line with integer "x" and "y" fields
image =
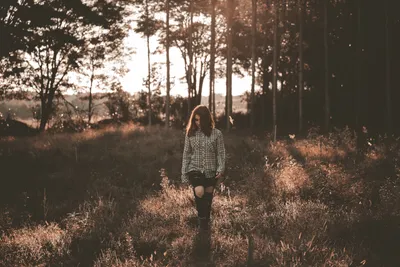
{"x": 357, "y": 68}
{"x": 201, "y": 82}
{"x": 388, "y": 86}
{"x": 148, "y": 80}
{"x": 167, "y": 45}
{"x": 47, "y": 96}
{"x": 301, "y": 65}
{"x": 274, "y": 68}
{"x": 360, "y": 105}
{"x": 195, "y": 93}
{"x": 44, "y": 116}
{"x": 47, "y": 106}
{"x": 253, "y": 62}
{"x": 228, "y": 101}
{"x": 148, "y": 69}
{"x": 211, "y": 98}
{"x": 190, "y": 51}
{"x": 90, "y": 111}
{"x": 280, "y": 108}
{"x": 357, "y": 63}
{"x": 326, "y": 55}
{"x": 265, "y": 66}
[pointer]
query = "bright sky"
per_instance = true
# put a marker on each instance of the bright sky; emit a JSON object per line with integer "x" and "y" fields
{"x": 133, "y": 81}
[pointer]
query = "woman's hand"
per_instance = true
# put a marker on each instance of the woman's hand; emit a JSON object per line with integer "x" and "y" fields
{"x": 219, "y": 175}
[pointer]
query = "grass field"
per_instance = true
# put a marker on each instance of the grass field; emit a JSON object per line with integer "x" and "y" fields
{"x": 113, "y": 197}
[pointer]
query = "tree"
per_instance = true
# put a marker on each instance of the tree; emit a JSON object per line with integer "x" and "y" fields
{"x": 53, "y": 46}
{"x": 21, "y": 21}
{"x": 148, "y": 26}
{"x": 56, "y": 54}
{"x": 265, "y": 65}
{"x": 275, "y": 66}
{"x": 301, "y": 65}
{"x": 196, "y": 71}
{"x": 191, "y": 82}
{"x": 228, "y": 103}
{"x": 388, "y": 70}
{"x": 105, "y": 47}
{"x": 326, "y": 57}
{"x": 211, "y": 98}
{"x": 336, "y": 85}
{"x": 120, "y": 103}
{"x": 157, "y": 101}
{"x": 359, "y": 127}
{"x": 253, "y": 60}
{"x": 167, "y": 45}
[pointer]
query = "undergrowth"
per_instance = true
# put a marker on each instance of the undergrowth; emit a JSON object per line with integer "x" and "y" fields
{"x": 113, "y": 197}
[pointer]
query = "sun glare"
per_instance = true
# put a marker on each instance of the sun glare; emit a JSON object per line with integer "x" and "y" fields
{"x": 134, "y": 79}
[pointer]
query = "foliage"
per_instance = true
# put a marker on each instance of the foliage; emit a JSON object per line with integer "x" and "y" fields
{"x": 21, "y": 35}
{"x": 120, "y": 104}
{"x": 54, "y": 46}
{"x": 105, "y": 47}
{"x": 361, "y": 60}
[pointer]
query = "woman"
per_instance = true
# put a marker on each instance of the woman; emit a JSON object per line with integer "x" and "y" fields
{"x": 203, "y": 160}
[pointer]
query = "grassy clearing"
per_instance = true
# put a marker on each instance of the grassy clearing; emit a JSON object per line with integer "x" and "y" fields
{"x": 113, "y": 198}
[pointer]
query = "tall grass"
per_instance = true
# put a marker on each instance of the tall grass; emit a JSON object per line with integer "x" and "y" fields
{"x": 113, "y": 197}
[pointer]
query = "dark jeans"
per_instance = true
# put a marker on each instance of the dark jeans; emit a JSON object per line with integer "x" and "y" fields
{"x": 197, "y": 178}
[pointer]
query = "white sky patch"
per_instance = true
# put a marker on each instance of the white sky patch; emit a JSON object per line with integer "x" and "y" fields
{"x": 133, "y": 81}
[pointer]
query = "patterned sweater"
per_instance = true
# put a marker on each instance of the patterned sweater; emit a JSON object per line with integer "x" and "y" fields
{"x": 203, "y": 153}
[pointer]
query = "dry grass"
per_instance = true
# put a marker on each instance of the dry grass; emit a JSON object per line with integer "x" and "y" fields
{"x": 33, "y": 244}
{"x": 113, "y": 197}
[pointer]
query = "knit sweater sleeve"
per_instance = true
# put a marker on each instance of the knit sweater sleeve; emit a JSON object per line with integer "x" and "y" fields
{"x": 187, "y": 151}
{"x": 220, "y": 153}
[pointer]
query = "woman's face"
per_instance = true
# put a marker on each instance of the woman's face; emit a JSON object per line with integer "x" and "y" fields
{"x": 197, "y": 121}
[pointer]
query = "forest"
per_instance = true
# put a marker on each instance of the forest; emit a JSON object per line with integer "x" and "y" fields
{"x": 326, "y": 64}
{"x": 91, "y": 170}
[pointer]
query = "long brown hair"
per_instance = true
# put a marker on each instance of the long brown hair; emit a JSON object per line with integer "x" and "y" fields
{"x": 206, "y": 121}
